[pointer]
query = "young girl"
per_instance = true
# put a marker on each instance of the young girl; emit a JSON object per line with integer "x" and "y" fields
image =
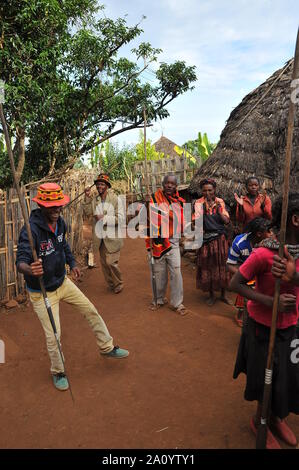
{"x": 253, "y": 348}
{"x": 242, "y": 246}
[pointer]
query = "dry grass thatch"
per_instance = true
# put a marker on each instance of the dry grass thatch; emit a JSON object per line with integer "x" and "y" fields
{"x": 165, "y": 146}
{"x": 253, "y": 141}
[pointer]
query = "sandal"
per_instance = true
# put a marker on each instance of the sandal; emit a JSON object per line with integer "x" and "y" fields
{"x": 181, "y": 310}
{"x": 271, "y": 442}
{"x": 153, "y": 306}
{"x": 239, "y": 319}
{"x": 118, "y": 289}
{"x": 284, "y": 432}
{"x": 156, "y": 306}
{"x": 211, "y": 301}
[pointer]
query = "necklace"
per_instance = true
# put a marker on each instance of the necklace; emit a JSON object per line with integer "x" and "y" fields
{"x": 274, "y": 245}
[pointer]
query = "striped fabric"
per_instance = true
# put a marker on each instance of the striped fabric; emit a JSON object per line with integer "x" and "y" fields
{"x": 240, "y": 249}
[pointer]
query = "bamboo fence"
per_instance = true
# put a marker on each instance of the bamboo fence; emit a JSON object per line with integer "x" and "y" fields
{"x": 11, "y": 222}
{"x": 73, "y": 183}
{"x": 157, "y": 169}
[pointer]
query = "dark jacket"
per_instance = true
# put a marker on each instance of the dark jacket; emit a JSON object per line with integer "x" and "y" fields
{"x": 52, "y": 249}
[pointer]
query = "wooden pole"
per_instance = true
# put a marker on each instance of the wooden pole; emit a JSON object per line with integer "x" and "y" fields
{"x": 262, "y": 429}
{"x": 152, "y": 261}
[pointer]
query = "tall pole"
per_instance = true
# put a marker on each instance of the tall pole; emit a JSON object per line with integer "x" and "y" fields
{"x": 145, "y": 151}
{"x": 29, "y": 234}
{"x": 148, "y": 198}
{"x": 262, "y": 429}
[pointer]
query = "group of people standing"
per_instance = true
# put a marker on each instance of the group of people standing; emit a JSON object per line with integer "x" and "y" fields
{"x": 221, "y": 264}
{"x": 212, "y": 272}
{"x": 215, "y": 263}
{"x": 214, "y": 258}
{"x": 249, "y": 265}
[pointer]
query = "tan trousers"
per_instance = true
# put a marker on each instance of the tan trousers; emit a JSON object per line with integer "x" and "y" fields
{"x": 69, "y": 293}
{"x": 111, "y": 271}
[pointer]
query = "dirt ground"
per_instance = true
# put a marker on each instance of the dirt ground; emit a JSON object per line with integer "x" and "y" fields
{"x": 175, "y": 390}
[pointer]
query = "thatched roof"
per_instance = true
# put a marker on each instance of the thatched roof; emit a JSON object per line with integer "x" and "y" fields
{"x": 165, "y": 146}
{"x": 253, "y": 141}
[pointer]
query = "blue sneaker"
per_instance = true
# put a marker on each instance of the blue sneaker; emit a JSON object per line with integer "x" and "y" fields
{"x": 60, "y": 381}
{"x": 117, "y": 352}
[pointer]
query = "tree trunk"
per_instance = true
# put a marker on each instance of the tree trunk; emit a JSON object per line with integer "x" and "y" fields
{"x": 20, "y": 146}
{"x": 52, "y": 167}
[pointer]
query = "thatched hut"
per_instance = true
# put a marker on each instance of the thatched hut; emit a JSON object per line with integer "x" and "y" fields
{"x": 253, "y": 141}
{"x": 166, "y": 146}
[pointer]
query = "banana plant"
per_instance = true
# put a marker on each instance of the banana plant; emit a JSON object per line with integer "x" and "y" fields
{"x": 193, "y": 161}
{"x": 201, "y": 147}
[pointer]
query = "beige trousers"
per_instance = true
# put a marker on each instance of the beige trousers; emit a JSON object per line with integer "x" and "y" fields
{"x": 111, "y": 271}
{"x": 69, "y": 293}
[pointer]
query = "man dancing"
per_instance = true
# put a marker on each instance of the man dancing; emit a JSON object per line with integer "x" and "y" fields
{"x": 48, "y": 231}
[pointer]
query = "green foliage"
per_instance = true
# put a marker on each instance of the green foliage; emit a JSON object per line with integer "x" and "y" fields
{"x": 5, "y": 171}
{"x": 201, "y": 147}
{"x": 118, "y": 161}
{"x": 151, "y": 153}
{"x": 34, "y": 40}
{"x": 67, "y": 86}
{"x": 192, "y": 161}
{"x": 113, "y": 160}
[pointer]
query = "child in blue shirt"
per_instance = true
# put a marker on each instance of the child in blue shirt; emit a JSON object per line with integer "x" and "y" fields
{"x": 255, "y": 231}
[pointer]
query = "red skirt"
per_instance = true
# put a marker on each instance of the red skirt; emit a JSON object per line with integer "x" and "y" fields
{"x": 211, "y": 265}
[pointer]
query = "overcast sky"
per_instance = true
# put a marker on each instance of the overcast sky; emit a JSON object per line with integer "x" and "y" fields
{"x": 235, "y": 45}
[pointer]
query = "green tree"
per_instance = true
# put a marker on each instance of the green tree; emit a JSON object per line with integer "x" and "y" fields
{"x": 67, "y": 86}
{"x": 34, "y": 39}
{"x": 110, "y": 158}
{"x": 151, "y": 153}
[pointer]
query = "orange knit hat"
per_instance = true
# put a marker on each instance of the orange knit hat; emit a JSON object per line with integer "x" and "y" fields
{"x": 50, "y": 195}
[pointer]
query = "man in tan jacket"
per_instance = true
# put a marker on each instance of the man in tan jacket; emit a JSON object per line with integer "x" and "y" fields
{"x": 108, "y": 217}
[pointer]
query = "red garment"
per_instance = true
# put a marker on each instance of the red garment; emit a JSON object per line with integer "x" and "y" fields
{"x": 211, "y": 210}
{"x": 259, "y": 265}
{"x": 250, "y": 211}
{"x": 165, "y": 222}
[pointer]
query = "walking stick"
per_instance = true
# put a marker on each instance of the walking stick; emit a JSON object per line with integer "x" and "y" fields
{"x": 262, "y": 429}
{"x": 29, "y": 233}
{"x": 77, "y": 197}
{"x": 152, "y": 261}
